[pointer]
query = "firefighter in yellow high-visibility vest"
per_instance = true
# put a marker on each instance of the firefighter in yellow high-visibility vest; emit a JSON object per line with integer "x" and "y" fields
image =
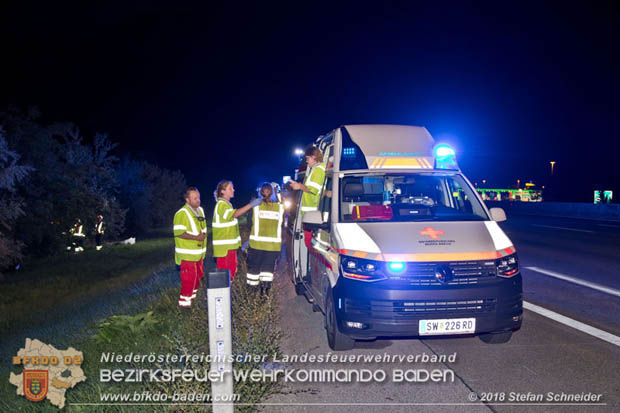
{"x": 312, "y": 186}
{"x": 265, "y": 239}
{"x": 190, "y": 245}
{"x": 226, "y": 237}
{"x": 78, "y": 235}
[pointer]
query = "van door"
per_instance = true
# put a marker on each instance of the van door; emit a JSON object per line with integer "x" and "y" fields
{"x": 319, "y": 261}
{"x": 292, "y": 249}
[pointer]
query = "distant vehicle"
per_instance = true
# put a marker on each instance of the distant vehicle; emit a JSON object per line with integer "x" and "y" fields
{"x": 402, "y": 244}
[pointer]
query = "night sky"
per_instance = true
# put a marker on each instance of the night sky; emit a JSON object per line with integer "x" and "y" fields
{"x": 230, "y": 92}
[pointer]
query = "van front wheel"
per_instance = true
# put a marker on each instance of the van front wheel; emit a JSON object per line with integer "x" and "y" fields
{"x": 336, "y": 340}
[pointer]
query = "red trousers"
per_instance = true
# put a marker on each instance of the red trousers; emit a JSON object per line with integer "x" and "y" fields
{"x": 191, "y": 274}
{"x": 308, "y": 239}
{"x": 229, "y": 262}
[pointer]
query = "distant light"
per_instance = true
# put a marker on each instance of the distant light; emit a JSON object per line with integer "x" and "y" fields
{"x": 444, "y": 150}
{"x": 396, "y": 266}
{"x": 287, "y": 204}
{"x": 299, "y": 151}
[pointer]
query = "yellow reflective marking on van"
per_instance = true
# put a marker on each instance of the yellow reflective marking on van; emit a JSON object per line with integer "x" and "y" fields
{"x": 417, "y": 162}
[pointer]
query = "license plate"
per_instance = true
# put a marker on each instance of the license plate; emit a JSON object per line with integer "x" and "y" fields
{"x": 447, "y": 326}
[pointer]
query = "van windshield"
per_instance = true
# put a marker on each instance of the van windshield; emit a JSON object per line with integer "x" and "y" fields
{"x": 408, "y": 197}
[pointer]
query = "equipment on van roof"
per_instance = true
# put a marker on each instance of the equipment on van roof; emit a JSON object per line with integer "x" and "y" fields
{"x": 393, "y": 147}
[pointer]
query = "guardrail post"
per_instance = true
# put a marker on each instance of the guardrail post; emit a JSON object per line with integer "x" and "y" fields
{"x": 220, "y": 339}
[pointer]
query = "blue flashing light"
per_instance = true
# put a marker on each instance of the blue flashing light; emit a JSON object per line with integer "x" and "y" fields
{"x": 445, "y": 157}
{"x": 396, "y": 266}
{"x": 348, "y": 152}
{"x": 442, "y": 151}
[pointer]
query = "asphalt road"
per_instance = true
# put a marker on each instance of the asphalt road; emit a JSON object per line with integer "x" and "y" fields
{"x": 543, "y": 362}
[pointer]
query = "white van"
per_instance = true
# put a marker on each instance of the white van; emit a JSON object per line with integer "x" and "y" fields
{"x": 402, "y": 244}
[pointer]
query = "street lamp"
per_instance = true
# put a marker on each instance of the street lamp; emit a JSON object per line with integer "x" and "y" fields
{"x": 552, "y": 163}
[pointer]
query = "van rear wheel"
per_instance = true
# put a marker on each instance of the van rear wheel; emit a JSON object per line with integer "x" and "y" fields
{"x": 336, "y": 340}
{"x": 496, "y": 338}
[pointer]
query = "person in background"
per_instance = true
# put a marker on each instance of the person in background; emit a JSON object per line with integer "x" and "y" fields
{"x": 265, "y": 239}
{"x": 99, "y": 228}
{"x": 190, "y": 242}
{"x": 78, "y": 235}
{"x": 226, "y": 237}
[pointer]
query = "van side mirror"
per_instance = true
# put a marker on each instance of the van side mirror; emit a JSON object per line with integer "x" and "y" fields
{"x": 498, "y": 214}
{"x": 314, "y": 220}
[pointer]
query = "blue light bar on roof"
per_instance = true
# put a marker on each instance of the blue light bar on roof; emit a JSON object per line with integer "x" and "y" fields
{"x": 445, "y": 157}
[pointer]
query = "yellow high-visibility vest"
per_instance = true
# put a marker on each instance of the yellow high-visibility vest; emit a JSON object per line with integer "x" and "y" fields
{"x": 185, "y": 220}
{"x": 225, "y": 229}
{"x": 266, "y": 232}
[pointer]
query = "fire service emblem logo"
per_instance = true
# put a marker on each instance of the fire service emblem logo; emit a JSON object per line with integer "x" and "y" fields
{"x": 35, "y": 384}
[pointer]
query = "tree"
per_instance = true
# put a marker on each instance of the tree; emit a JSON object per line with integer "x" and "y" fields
{"x": 151, "y": 194}
{"x": 72, "y": 179}
{"x": 11, "y": 204}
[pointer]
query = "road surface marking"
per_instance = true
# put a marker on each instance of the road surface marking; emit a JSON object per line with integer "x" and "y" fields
{"x": 566, "y": 229}
{"x": 607, "y": 225}
{"x": 578, "y": 325}
{"x": 588, "y": 284}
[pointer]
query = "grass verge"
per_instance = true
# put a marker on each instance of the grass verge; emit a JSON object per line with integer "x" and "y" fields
{"x": 48, "y": 285}
{"x": 169, "y": 331}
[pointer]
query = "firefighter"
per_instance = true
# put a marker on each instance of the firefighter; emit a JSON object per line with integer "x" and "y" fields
{"x": 265, "y": 239}
{"x": 226, "y": 238}
{"x": 315, "y": 175}
{"x": 190, "y": 242}
{"x": 99, "y": 232}
{"x": 77, "y": 236}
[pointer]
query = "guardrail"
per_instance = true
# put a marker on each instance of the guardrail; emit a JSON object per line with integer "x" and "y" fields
{"x": 608, "y": 212}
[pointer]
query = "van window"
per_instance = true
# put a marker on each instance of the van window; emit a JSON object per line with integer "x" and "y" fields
{"x": 325, "y": 203}
{"x": 408, "y": 197}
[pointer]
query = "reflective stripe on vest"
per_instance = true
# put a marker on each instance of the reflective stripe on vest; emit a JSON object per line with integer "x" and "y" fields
{"x": 191, "y": 252}
{"x": 226, "y": 224}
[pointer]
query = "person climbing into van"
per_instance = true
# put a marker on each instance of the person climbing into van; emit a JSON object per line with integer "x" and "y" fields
{"x": 226, "y": 238}
{"x": 265, "y": 239}
{"x": 315, "y": 175}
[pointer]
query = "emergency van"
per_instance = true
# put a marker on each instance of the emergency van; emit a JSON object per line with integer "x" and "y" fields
{"x": 402, "y": 244}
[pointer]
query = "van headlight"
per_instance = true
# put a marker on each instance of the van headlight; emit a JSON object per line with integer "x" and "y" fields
{"x": 361, "y": 270}
{"x": 507, "y": 266}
